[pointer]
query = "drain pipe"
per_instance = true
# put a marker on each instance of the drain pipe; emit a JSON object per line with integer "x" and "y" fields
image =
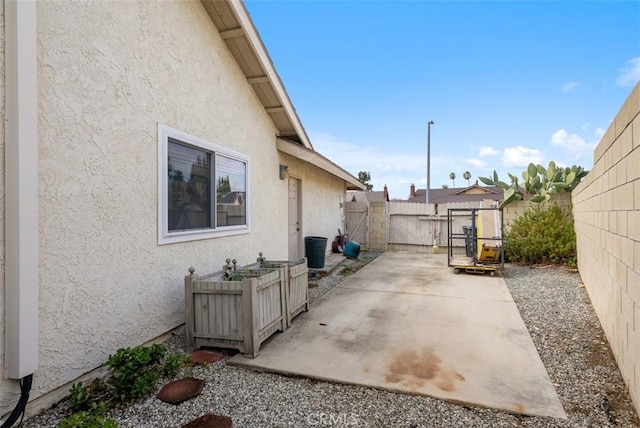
{"x": 21, "y": 198}
{"x": 18, "y": 411}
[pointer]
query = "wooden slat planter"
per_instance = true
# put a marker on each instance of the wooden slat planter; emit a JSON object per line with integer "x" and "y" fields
{"x": 235, "y": 314}
{"x": 296, "y": 285}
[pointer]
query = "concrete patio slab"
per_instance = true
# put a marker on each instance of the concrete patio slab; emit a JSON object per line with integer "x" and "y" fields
{"x": 406, "y": 323}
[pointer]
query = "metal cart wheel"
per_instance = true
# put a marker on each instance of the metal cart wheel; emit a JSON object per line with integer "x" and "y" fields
{"x": 492, "y": 273}
{"x": 456, "y": 270}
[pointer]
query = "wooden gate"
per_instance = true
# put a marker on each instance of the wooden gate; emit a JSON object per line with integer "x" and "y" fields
{"x": 357, "y": 222}
{"x": 417, "y": 227}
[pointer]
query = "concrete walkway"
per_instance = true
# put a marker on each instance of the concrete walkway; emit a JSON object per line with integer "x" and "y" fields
{"x": 406, "y": 323}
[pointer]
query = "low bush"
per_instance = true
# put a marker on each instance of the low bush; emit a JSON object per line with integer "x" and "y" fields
{"x": 542, "y": 235}
{"x": 80, "y": 396}
{"x": 134, "y": 373}
{"x": 91, "y": 418}
{"x": 135, "y": 370}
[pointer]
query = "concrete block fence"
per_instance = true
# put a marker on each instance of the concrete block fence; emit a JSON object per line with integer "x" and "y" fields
{"x": 606, "y": 208}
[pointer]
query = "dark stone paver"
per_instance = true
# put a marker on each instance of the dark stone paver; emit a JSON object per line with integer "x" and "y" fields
{"x": 205, "y": 357}
{"x": 210, "y": 421}
{"x": 180, "y": 390}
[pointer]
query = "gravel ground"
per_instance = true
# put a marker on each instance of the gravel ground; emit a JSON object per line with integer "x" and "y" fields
{"x": 554, "y": 306}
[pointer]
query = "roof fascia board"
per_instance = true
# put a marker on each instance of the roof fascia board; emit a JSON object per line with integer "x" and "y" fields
{"x": 474, "y": 186}
{"x": 319, "y": 161}
{"x": 262, "y": 55}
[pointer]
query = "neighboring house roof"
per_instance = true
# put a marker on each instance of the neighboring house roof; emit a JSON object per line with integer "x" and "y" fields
{"x": 372, "y": 196}
{"x": 458, "y": 194}
{"x": 232, "y": 198}
{"x": 241, "y": 37}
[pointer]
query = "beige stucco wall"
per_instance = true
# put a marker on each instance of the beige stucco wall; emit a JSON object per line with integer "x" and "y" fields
{"x": 108, "y": 74}
{"x": 323, "y": 196}
{"x": 607, "y": 219}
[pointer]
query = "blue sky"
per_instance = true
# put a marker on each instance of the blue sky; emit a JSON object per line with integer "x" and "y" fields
{"x": 506, "y": 82}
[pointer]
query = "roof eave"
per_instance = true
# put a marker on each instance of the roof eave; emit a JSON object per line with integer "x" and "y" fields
{"x": 316, "y": 159}
{"x": 241, "y": 37}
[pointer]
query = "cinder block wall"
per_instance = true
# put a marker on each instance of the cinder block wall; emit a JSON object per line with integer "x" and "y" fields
{"x": 606, "y": 208}
{"x": 378, "y": 226}
{"x": 517, "y": 208}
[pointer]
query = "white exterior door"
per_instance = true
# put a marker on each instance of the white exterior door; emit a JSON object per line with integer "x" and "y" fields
{"x": 295, "y": 232}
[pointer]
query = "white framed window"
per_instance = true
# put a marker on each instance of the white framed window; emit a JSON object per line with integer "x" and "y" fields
{"x": 203, "y": 188}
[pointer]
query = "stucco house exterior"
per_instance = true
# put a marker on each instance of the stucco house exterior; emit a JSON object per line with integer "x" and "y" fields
{"x": 127, "y": 126}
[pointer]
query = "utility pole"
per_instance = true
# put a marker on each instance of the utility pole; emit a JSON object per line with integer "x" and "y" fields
{"x": 431, "y": 122}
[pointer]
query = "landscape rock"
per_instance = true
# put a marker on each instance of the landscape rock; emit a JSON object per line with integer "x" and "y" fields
{"x": 205, "y": 357}
{"x": 210, "y": 421}
{"x": 180, "y": 390}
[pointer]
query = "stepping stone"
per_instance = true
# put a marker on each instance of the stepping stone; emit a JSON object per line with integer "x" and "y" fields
{"x": 210, "y": 421}
{"x": 205, "y": 357}
{"x": 180, "y": 390}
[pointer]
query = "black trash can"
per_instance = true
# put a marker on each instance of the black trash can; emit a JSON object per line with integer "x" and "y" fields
{"x": 470, "y": 242}
{"x": 314, "y": 250}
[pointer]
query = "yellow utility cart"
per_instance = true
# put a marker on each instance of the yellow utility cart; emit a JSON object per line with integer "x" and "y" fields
{"x": 475, "y": 238}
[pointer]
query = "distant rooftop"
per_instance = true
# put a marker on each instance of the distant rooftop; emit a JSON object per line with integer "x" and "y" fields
{"x": 456, "y": 194}
{"x": 371, "y": 196}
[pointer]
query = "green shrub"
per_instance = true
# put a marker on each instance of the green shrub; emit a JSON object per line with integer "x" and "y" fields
{"x": 134, "y": 373}
{"x": 173, "y": 364}
{"x": 542, "y": 235}
{"x": 80, "y": 396}
{"x": 135, "y": 370}
{"x": 92, "y": 418}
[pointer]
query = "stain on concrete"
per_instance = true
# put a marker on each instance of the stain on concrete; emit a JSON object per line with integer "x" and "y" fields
{"x": 378, "y": 314}
{"x": 518, "y": 408}
{"x": 362, "y": 340}
{"x": 446, "y": 382}
{"x": 415, "y": 370}
{"x": 365, "y": 337}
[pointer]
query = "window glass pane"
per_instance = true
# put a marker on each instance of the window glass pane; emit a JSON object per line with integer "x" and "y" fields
{"x": 189, "y": 187}
{"x": 231, "y": 191}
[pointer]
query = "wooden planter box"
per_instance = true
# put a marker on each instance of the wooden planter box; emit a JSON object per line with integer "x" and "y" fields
{"x": 235, "y": 314}
{"x": 296, "y": 285}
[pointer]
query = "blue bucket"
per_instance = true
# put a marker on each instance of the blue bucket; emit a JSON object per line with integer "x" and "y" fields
{"x": 352, "y": 250}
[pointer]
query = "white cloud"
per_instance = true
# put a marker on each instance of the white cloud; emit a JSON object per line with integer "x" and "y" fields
{"x": 573, "y": 144}
{"x": 354, "y": 158}
{"x": 477, "y": 163}
{"x": 569, "y": 86}
{"x": 630, "y": 73}
{"x": 387, "y": 165}
{"x": 488, "y": 151}
{"x": 520, "y": 157}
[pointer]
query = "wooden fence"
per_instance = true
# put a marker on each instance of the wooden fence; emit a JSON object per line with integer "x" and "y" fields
{"x": 415, "y": 226}
{"x": 357, "y": 222}
{"x": 406, "y": 226}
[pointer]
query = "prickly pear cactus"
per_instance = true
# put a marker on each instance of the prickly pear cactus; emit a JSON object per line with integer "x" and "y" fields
{"x": 538, "y": 181}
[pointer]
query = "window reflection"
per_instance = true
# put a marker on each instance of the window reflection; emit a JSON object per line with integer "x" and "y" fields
{"x": 231, "y": 190}
{"x": 189, "y": 191}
